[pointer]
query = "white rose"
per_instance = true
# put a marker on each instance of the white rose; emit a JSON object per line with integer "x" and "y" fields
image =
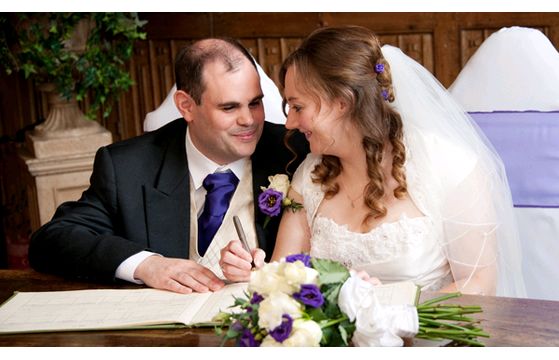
{"x": 269, "y": 341}
{"x": 273, "y": 307}
{"x": 268, "y": 279}
{"x": 304, "y": 333}
{"x": 296, "y": 274}
{"x": 279, "y": 182}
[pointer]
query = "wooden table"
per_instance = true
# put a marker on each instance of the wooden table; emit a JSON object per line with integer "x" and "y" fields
{"x": 511, "y": 322}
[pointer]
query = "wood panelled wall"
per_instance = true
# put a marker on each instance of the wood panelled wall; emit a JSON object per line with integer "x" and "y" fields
{"x": 442, "y": 42}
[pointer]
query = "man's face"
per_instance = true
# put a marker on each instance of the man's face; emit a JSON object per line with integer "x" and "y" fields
{"x": 228, "y": 123}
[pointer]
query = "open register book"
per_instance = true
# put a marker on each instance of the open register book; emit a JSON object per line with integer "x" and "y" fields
{"x": 100, "y": 309}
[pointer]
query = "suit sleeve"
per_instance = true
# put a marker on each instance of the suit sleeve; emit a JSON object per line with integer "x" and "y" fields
{"x": 80, "y": 240}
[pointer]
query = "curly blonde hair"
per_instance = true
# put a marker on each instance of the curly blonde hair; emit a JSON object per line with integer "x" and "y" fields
{"x": 341, "y": 62}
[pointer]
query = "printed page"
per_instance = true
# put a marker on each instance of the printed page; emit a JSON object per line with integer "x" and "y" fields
{"x": 399, "y": 293}
{"x": 95, "y": 309}
{"x": 219, "y": 301}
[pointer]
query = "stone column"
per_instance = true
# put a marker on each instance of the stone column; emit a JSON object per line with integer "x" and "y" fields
{"x": 59, "y": 158}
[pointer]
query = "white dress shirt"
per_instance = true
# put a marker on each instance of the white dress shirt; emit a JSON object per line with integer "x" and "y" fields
{"x": 199, "y": 167}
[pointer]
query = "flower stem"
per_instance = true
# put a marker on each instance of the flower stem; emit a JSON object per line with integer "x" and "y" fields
{"x": 439, "y": 299}
{"x": 333, "y": 322}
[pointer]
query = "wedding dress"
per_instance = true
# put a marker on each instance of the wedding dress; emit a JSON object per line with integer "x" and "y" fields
{"x": 407, "y": 249}
{"x": 457, "y": 181}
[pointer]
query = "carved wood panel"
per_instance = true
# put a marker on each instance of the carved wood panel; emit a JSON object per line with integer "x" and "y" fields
{"x": 161, "y": 68}
{"x": 418, "y": 46}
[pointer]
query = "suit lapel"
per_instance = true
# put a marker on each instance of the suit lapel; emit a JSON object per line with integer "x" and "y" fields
{"x": 168, "y": 203}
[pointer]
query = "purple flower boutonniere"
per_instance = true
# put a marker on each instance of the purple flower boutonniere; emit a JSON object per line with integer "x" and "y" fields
{"x": 274, "y": 197}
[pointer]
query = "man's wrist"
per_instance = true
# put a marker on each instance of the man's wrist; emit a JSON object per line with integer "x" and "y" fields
{"x": 127, "y": 268}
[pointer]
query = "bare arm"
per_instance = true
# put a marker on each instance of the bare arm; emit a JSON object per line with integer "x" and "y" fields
{"x": 294, "y": 233}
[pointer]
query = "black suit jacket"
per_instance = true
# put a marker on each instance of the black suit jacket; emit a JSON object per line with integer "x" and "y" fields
{"x": 139, "y": 199}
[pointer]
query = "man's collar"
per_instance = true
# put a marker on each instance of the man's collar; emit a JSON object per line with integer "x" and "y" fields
{"x": 200, "y": 166}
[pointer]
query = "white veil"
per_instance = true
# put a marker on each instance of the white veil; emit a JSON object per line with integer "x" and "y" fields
{"x": 459, "y": 178}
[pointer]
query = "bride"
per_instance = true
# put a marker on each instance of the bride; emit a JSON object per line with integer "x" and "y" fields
{"x": 399, "y": 184}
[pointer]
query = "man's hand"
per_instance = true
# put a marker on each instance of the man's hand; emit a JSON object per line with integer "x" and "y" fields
{"x": 235, "y": 261}
{"x": 178, "y": 275}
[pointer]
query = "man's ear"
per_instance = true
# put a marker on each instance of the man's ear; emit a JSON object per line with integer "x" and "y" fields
{"x": 185, "y": 104}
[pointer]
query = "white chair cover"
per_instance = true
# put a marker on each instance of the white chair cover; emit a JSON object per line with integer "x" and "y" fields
{"x": 512, "y": 80}
{"x": 168, "y": 112}
{"x": 515, "y": 69}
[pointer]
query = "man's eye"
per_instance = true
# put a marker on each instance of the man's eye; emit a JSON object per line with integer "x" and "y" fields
{"x": 228, "y": 108}
{"x": 297, "y": 108}
{"x": 255, "y": 104}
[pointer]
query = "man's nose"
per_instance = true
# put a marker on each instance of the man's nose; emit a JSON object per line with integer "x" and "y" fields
{"x": 246, "y": 117}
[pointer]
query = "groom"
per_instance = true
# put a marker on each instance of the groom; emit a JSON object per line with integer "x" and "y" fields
{"x": 160, "y": 206}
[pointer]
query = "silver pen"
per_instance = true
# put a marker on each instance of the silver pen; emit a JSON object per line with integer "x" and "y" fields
{"x": 242, "y": 236}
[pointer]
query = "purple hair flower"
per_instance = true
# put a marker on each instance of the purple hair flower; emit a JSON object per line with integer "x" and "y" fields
{"x": 305, "y": 259}
{"x": 385, "y": 94}
{"x": 248, "y": 340}
{"x": 282, "y": 331}
{"x": 256, "y": 298}
{"x": 310, "y": 295}
{"x": 269, "y": 201}
{"x": 379, "y": 68}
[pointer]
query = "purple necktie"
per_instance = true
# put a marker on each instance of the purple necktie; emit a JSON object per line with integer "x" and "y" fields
{"x": 220, "y": 188}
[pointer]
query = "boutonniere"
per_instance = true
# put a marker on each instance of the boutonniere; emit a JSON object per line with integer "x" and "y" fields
{"x": 274, "y": 197}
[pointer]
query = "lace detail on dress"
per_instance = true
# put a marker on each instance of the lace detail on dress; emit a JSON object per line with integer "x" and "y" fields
{"x": 387, "y": 242}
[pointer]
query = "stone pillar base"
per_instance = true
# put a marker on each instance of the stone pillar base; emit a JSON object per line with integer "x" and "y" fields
{"x": 85, "y": 140}
{"x": 58, "y": 170}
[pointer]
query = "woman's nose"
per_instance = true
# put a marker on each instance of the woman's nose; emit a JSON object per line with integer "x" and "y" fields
{"x": 291, "y": 123}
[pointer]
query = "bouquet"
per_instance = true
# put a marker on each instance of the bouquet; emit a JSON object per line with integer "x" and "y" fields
{"x": 304, "y": 301}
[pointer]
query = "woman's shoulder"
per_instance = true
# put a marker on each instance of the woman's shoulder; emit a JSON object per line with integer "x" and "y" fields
{"x": 309, "y": 163}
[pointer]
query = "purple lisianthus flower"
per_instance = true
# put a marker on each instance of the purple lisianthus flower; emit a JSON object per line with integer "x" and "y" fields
{"x": 256, "y": 298}
{"x": 305, "y": 259}
{"x": 310, "y": 295}
{"x": 379, "y": 68}
{"x": 282, "y": 331}
{"x": 237, "y": 326}
{"x": 247, "y": 339}
{"x": 269, "y": 202}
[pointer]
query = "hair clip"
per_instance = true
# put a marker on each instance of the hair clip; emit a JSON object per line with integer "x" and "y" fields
{"x": 379, "y": 68}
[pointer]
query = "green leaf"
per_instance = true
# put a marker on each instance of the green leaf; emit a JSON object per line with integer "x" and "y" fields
{"x": 38, "y": 48}
{"x": 343, "y": 334}
{"x": 330, "y": 271}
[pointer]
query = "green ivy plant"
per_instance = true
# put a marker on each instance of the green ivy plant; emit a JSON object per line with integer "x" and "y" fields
{"x": 37, "y": 45}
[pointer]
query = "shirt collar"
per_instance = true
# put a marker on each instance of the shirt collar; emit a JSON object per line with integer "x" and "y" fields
{"x": 200, "y": 166}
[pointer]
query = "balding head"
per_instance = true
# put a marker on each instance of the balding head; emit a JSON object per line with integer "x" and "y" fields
{"x": 190, "y": 62}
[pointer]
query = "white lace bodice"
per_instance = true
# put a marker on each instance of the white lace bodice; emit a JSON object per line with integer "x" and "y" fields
{"x": 407, "y": 249}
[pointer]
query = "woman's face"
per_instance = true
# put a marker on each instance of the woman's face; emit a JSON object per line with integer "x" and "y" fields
{"x": 319, "y": 119}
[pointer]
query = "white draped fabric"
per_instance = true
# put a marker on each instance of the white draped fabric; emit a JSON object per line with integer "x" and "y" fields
{"x": 514, "y": 69}
{"x": 517, "y": 70}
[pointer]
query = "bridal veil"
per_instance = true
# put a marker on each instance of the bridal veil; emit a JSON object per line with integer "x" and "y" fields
{"x": 462, "y": 179}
